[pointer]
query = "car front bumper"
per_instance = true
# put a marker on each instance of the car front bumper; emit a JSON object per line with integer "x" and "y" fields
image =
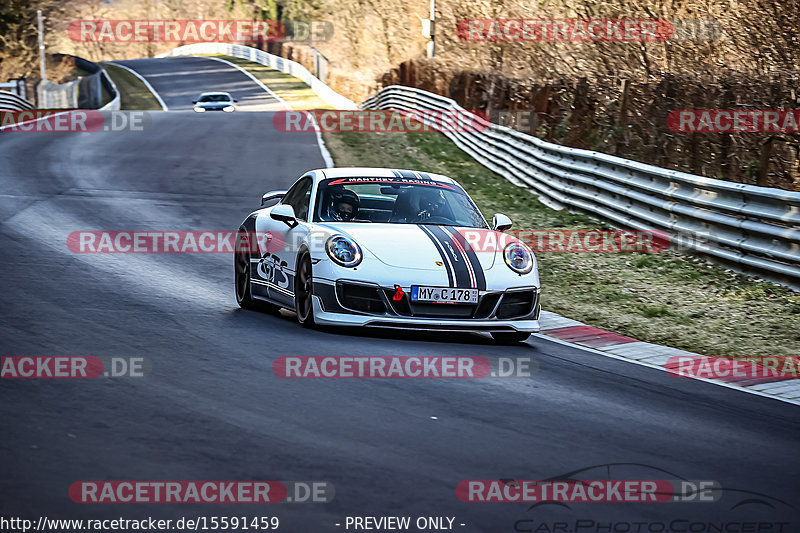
{"x": 329, "y": 310}
{"x": 431, "y": 324}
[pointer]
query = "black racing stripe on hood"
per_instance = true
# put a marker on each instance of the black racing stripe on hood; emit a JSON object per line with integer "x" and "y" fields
{"x": 460, "y": 268}
{"x": 441, "y": 251}
{"x": 480, "y": 277}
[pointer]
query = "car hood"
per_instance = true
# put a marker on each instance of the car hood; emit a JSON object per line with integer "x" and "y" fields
{"x": 416, "y": 246}
{"x": 213, "y": 104}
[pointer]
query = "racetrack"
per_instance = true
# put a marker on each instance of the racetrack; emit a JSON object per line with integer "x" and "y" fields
{"x": 212, "y": 409}
{"x": 180, "y": 80}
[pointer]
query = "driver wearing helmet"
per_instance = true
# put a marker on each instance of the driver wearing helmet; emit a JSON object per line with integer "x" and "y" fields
{"x": 431, "y": 204}
{"x": 343, "y": 205}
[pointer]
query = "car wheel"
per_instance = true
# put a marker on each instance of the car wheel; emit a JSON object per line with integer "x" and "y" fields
{"x": 510, "y": 338}
{"x": 241, "y": 275}
{"x": 241, "y": 271}
{"x": 304, "y": 291}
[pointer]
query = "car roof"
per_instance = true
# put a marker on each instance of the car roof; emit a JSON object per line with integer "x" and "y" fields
{"x": 374, "y": 172}
{"x": 215, "y": 92}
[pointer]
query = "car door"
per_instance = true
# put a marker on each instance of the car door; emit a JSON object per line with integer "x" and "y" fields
{"x": 281, "y": 243}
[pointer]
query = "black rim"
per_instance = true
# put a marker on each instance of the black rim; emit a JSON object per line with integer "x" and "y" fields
{"x": 242, "y": 275}
{"x": 304, "y": 290}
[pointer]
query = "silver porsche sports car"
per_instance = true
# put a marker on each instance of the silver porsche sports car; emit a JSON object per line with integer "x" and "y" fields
{"x": 386, "y": 248}
{"x": 218, "y": 101}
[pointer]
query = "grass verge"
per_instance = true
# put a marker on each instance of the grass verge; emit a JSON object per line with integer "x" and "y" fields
{"x": 134, "y": 95}
{"x": 666, "y": 298}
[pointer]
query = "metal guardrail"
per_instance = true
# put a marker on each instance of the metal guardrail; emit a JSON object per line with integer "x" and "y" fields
{"x": 85, "y": 92}
{"x": 108, "y": 83}
{"x": 756, "y": 227}
{"x": 16, "y": 86}
{"x": 328, "y": 95}
{"x": 51, "y": 95}
{"x": 12, "y": 102}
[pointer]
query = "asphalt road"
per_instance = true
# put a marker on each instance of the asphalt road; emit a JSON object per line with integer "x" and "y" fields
{"x": 180, "y": 80}
{"x": 212, "y": 409}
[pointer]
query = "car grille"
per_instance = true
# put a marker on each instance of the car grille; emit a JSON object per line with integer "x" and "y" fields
{"x": 360, "y": 298}
{"x": 487, "y": 305}
{"x": 516, "y": 304}
{"x": 372, "y": 300}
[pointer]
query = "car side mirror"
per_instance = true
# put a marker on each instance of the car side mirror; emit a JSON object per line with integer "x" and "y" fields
{"x": 284, "y": 213}
{"x": 500, "y": 222}
{"x": 272, "y": 195}
{"x": 194, "y": 101}
{"x": 236, "y": 101}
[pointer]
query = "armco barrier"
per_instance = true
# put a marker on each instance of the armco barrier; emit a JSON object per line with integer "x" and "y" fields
{"x": 57, "y": 95}
{"x": 85, "y": 92}
{"x": 328, "y": 95}
{"x": 99, "y": 78}
{"x": 12, "y": 102}
{"x": 108, "y": 83}
{"x": 756, "y": 227}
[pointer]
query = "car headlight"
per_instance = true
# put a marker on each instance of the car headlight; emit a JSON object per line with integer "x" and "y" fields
{"x": 200, "y": 109}
{"x": 343, "y": 251}
{"x": 228, "y": 108}
{"x": 519, "y": 257}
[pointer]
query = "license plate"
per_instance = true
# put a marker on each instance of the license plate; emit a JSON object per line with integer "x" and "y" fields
{"x": 443, "y": 295}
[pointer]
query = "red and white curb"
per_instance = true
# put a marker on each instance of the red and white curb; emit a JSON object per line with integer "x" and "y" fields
{"x": 610, "y": 344}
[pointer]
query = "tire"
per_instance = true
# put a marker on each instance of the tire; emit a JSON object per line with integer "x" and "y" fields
{"x": 510, "y": 338}
{"x": 304, "y": 291}
{"x": 241, "y": 275}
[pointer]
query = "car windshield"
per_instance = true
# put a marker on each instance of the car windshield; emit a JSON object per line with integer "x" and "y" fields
{"x": 396, "y": 201}
{"x": 215, "y": 98}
